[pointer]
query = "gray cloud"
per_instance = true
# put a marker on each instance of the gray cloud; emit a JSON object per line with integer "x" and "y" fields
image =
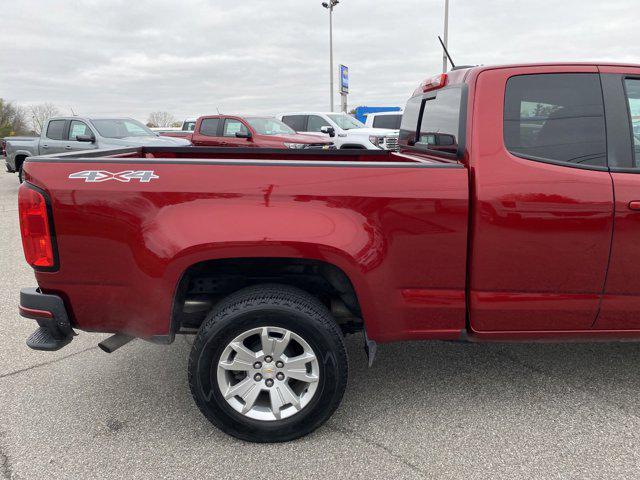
{"x": 257, "y": 56}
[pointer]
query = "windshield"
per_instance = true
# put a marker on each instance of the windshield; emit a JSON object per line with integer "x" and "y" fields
{"x": 121, "y": 128}
{"x": 269, "y": 126}
{"x": 345, "y": 122}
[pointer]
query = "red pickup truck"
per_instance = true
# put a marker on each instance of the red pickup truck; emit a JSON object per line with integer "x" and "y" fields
{"x": 512, "y": 212}
{"x": 249, "y": 131}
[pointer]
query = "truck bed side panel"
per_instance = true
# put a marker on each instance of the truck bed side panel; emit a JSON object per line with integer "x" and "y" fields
{"x": 399, "y": 233}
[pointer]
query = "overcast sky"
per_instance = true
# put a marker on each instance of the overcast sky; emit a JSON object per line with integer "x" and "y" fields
{"x": 189, "y": 57}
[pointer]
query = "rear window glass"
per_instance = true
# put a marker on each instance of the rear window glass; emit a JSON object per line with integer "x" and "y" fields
{"x": 439, "y": 116}
{"x": 55, "y": 129}
{"x": 556, "y": 117}
{"x": 387, "y": 121}
{"x": 209, "y": 127}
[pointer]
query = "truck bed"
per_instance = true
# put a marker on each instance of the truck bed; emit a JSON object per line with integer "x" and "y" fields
{"x": 138, "y": 218}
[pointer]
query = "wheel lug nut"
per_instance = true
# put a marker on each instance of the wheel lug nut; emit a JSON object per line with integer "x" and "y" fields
{"x": 257, "y": 377}
{"x": 279, "y": 364}
{"x": 257, "y": 365}
{"x": 280, "y": 376}
{"x": 269, "y": 382}
{"x": 268, "y": 359}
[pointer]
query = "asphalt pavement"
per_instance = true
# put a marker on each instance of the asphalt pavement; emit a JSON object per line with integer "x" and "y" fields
{"x": 424, "y": 410}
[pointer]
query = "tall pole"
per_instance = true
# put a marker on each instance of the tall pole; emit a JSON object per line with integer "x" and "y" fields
{"x": 331, "y": 56}
{"x": 446, "y": 35}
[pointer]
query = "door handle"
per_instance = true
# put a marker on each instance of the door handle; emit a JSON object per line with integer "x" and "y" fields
{"x": 634, "y": 205}
{"x": 68, "y": 147}
{"x": 45, "y": 146}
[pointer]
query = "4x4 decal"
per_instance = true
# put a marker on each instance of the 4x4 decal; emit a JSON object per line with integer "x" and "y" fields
{"x": 93, "y": 176}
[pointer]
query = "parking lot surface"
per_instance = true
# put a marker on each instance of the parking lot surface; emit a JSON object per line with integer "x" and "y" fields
{"x": 425, "y": 410}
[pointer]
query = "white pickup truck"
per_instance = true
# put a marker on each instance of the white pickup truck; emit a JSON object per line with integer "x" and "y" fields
{"x": 345, "y": 131}
{"x": 68, "y": 134}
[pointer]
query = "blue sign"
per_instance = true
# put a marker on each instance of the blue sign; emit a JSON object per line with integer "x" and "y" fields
{"x": 344, "y": 79}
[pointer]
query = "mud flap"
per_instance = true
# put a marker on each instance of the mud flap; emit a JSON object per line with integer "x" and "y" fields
{"x": 370, "y": 347}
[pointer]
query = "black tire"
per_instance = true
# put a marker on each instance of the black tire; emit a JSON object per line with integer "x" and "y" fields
{"x": 21, "y": 173}
{"x": 269, "y": 305}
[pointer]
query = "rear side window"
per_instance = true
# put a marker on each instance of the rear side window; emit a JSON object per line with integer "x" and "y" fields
{"x": 632, "y": 88}
{"x": 297, "y": 122}
{"x": 387, "y": 121}
{"x": 55, "y": 129}
{"x": 556, "y": 117}
{"x": 209, "y": 127}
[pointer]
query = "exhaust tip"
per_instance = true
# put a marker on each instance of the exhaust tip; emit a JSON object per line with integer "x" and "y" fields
{"x": 114, "y": 342}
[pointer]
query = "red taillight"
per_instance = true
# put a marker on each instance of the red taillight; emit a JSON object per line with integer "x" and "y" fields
{"x": 35, "y": 228}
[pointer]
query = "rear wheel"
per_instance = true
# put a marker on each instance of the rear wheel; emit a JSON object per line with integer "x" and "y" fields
{"x": 268, "y": 364}
{"x": 21, "y": 173}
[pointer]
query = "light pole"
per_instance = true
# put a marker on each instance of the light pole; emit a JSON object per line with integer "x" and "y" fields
{"x": 329, "y": 6}
{"x": 446, "y": 36}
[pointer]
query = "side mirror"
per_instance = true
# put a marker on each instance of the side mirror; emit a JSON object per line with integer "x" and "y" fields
{"x": 85, "y": 138}
{"x": 329, "y": 130}
{"x": 246, "y": 135}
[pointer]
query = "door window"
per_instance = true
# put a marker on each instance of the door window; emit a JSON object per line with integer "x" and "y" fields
{"x": 209, "y": 127}
{"x": 315, "y": 123}
{"x": 297, "y": 122}
{"x": 233, "y": 126}
{"x": 557, "y": 118}
{"x": 78, "y": 128}
{"x": 632, "y": 88}
{"x": 55, "y": 129}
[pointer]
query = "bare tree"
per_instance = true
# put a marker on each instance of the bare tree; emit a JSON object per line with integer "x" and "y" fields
{"x": 160, "y": 119}
{"x": 13, "y": 119}
{"x": 40, "y": 113}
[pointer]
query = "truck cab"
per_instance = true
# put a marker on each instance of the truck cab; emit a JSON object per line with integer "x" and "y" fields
{"x": 552, "y": 154}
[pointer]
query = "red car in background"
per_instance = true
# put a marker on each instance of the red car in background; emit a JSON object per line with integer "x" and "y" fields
{"x": 251, "y": 131}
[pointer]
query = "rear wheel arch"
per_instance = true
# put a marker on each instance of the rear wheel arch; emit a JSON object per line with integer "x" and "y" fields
{"x": 205, "y": 284}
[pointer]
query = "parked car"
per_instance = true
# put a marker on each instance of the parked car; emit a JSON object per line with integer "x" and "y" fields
{"x": 391, "y": 120}
{"x": 343, "y": 129}
{"x": 64, "y": 134}
{"x": 251, "y": 131}
{"x": 476, "y": 231}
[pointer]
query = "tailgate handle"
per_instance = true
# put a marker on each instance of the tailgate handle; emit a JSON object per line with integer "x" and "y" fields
{"x": 634, "y": 205}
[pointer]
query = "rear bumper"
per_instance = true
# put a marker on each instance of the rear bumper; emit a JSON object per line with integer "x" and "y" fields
{"x": 50, "y": 313}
